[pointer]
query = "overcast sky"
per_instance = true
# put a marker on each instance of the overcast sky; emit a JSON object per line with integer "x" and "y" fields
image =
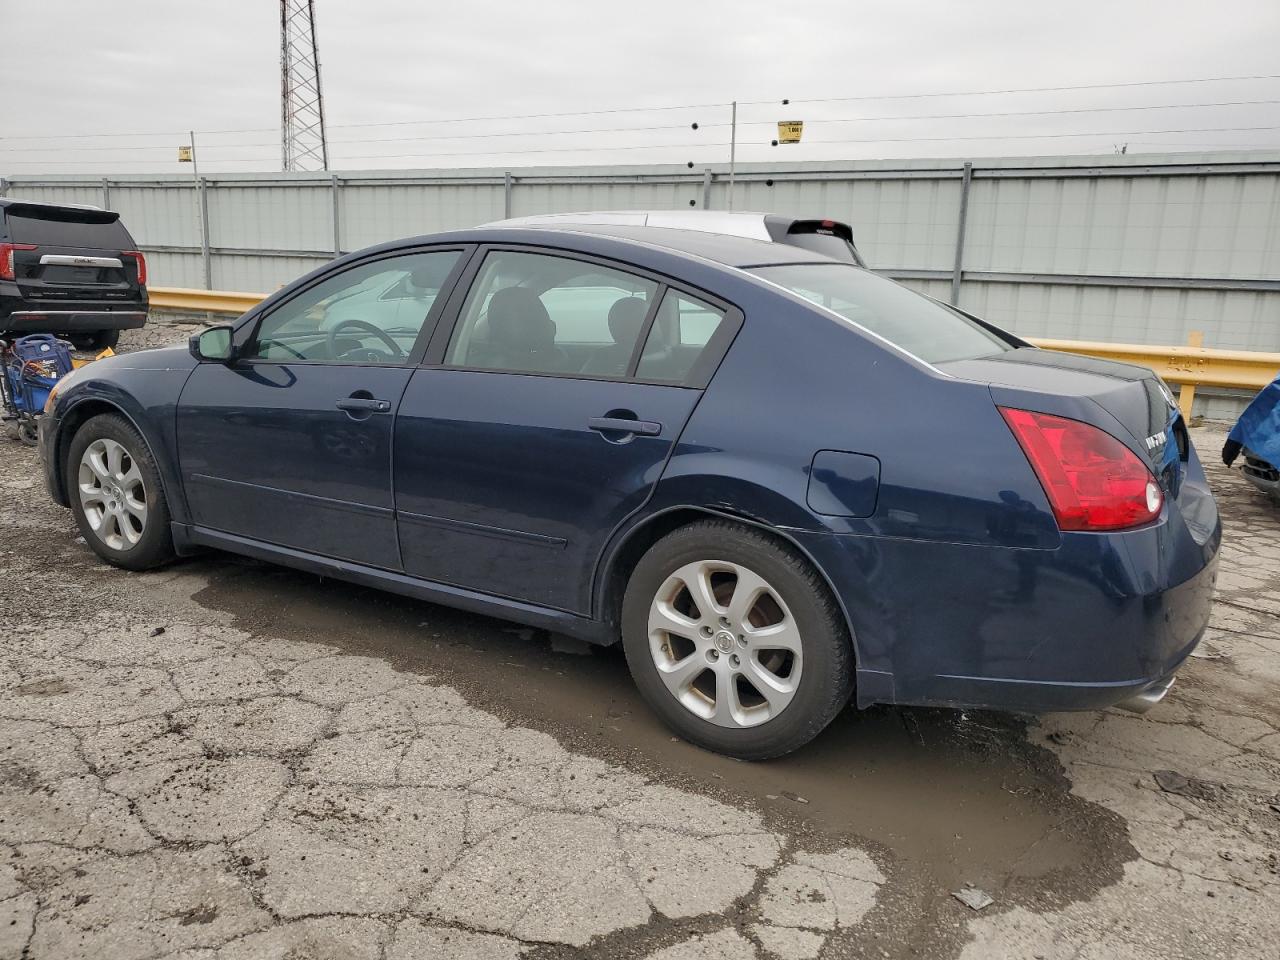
{"x": 148, "y": 70}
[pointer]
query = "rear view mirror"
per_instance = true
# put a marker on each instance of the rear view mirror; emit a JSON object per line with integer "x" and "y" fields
{"x": 212, "y": 343}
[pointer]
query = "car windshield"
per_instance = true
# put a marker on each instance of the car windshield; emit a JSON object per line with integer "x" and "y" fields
{"x": 920, "y": 326}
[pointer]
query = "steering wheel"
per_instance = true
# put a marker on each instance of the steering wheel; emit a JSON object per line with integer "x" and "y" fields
{"x": 396, "y": 352}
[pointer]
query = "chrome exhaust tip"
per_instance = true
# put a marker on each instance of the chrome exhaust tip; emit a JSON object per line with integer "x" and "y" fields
{"x": 1148, "y": 697}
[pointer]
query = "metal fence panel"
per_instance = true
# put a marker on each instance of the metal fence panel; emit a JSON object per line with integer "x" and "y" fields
{"x": 1120, "y": 248}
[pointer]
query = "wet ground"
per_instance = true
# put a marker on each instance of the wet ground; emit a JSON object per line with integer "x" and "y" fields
{"x": 231, "y": 759}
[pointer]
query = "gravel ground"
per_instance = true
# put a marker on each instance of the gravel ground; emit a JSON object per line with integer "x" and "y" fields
{"x": 227, "y": 759}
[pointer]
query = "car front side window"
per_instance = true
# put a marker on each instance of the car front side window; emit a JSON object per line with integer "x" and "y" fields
{"x": 370, "y": 313}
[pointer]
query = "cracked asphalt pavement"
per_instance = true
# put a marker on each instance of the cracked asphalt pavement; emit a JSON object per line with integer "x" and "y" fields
{"x": 225, "y": 759}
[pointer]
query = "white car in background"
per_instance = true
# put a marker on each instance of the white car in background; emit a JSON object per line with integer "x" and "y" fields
{"x": 828, "y": 237}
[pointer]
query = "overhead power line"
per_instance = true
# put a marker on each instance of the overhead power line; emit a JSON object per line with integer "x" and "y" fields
{"x": 662, "y": 108}
{"x": 670, "y": 127}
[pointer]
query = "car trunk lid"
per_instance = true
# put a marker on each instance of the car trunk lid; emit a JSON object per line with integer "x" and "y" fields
{"x": 1129, "y": 402}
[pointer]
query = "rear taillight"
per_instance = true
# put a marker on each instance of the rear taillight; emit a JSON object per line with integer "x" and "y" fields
{"x": 8, "y": 269}
{"x": 142, "y": 265}
{"x": 1092, "y": 480}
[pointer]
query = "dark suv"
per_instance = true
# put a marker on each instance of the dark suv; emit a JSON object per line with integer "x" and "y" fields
{"x": 69, "y": 270}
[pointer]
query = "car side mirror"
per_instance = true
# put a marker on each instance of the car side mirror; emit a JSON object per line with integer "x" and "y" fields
{"x": 213, "y": 343}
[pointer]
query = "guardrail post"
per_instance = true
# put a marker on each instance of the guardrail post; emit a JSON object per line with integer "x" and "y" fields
{"x": 706, "y": 188}
{"x": 508, "y": 182}
{"x": 1187, "y": 392}
{"x": 106, "y": 194}
{"x": 337, "y": 216}
{"x": 958, "y": 266}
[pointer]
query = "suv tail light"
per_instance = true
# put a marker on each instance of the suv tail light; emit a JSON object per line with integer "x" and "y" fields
{"x": 1092, "y": 480}
{"x": 142, "y": 265}
{"x": 7, "y": 267}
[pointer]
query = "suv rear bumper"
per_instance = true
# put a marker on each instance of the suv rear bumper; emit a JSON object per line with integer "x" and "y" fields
{"x": 72, "y": 321}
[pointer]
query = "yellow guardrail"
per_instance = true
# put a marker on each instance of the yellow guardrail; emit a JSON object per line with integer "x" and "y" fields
{"x": 203, "y": 301}
{"x": 1189, "y": 366}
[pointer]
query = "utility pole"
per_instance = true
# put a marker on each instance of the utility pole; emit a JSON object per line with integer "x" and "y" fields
{"x": 303, "y": 144}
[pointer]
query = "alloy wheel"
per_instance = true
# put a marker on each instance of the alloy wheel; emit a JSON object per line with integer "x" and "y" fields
{"x": 113, "y": 496}
{"x": 725, "y": 644}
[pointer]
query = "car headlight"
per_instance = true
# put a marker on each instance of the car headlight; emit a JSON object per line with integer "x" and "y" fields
{"x": 58, "y": 386}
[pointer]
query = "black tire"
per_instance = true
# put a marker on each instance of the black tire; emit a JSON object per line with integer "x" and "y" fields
{"x": 155, "y": 546}
{"x": 826, "y": 679}
{"x": 95, "y": 340}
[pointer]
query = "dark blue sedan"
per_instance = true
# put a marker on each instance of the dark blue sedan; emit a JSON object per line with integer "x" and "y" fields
{"x": 780, "y": 480}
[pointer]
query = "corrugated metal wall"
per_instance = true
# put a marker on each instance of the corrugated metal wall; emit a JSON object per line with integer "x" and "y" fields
{"x": 1122, "y": 248}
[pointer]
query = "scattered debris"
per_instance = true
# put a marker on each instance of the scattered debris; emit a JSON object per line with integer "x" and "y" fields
{"x": 973, "y": 898}
{"x": 794, "y": 797}
{"x": 1170, "y": 781}
{"x": 1206, "y": 652}
{"x": 1059, "y": 737}
{"x": 158, "y": 631}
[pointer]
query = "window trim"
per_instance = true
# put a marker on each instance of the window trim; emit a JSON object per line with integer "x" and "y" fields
{"x": 699, "y": 375}
{"x": 247, "y": 332}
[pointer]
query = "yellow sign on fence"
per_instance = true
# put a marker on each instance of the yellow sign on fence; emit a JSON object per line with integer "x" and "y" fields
{"x": 789, "y": 131}
{"x": 184, "y": 155}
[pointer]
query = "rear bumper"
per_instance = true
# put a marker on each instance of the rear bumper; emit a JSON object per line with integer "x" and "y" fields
{"x": 1105, "y": 619}
{"x": 72, "y": 321}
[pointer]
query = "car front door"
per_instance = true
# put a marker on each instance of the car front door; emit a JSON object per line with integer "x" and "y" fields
{"x": 543, "y": 423}
{"x": 290, "y": 443}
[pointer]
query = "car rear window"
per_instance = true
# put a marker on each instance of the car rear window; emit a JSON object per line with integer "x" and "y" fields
{"x": 911, "y": 321}
{"x": 70, "y": 229}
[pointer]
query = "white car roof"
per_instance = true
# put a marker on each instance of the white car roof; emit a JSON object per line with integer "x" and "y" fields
{"x": 736, "y": 224}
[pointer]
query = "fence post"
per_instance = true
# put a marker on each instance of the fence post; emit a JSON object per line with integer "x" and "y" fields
{"x": 957, "y": 267}
{"x": 337, "y": 215}
{"x": 706, "y": 188}
{"x": 1187, "y": 392}
{"x": 106, "y": 194}
{"x": 508, "y": 182}
{"x": 204, "y": 234}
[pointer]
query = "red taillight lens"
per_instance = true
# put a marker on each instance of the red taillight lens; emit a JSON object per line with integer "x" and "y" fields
{"x": 8, "y": 270}
{"x": 1092, "y": 480}
{"x": 142, "y": 265}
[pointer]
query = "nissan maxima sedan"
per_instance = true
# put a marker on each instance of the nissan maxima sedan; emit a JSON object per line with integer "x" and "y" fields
{"x": 780, "y": 481}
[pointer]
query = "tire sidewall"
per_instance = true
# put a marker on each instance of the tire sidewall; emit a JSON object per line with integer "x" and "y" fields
{"x": 156, "y": 544}
{"x": 827, "y": 663}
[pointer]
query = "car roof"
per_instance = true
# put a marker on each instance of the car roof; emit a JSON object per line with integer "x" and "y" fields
{"x": 730, "y": 250}
{"x": 739, "y": 223}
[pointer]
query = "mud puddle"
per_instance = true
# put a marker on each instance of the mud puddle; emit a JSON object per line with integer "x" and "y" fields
{"x": 962, "y": 797}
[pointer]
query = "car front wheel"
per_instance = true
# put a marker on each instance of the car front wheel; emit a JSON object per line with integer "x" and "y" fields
{"x": 116, "y": 496}
{"x": 735, "y": 640}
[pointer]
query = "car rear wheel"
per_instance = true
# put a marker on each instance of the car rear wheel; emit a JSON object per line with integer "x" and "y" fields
{"x": 735, "y": 640}
{"x": 116, "y": 496}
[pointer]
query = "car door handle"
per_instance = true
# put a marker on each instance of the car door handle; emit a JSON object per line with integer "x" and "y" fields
{"x": 364, "y": 404}
{"x": 624, "y": 425}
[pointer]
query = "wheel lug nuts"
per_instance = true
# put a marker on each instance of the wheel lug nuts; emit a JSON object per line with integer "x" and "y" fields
{"x": 735, "y": 661}
{"x": 742, "y": 641}
{"x": 724, "y": 621}
{"x": 707, "y": 631}
{"x": 713, "y": 655}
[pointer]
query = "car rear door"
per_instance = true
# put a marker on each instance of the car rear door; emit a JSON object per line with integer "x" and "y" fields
{"x": 62, "y": 257}
{"x": 540, "y": 423}
{"x": 290, "y": 443}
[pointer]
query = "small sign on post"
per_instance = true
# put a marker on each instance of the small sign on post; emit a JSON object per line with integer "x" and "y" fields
{"x": 184, "y": 154}
{"x": 789, "y": 131}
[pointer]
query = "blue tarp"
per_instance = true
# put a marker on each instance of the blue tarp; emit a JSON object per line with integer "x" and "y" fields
{"x": 1259, "y": 426}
